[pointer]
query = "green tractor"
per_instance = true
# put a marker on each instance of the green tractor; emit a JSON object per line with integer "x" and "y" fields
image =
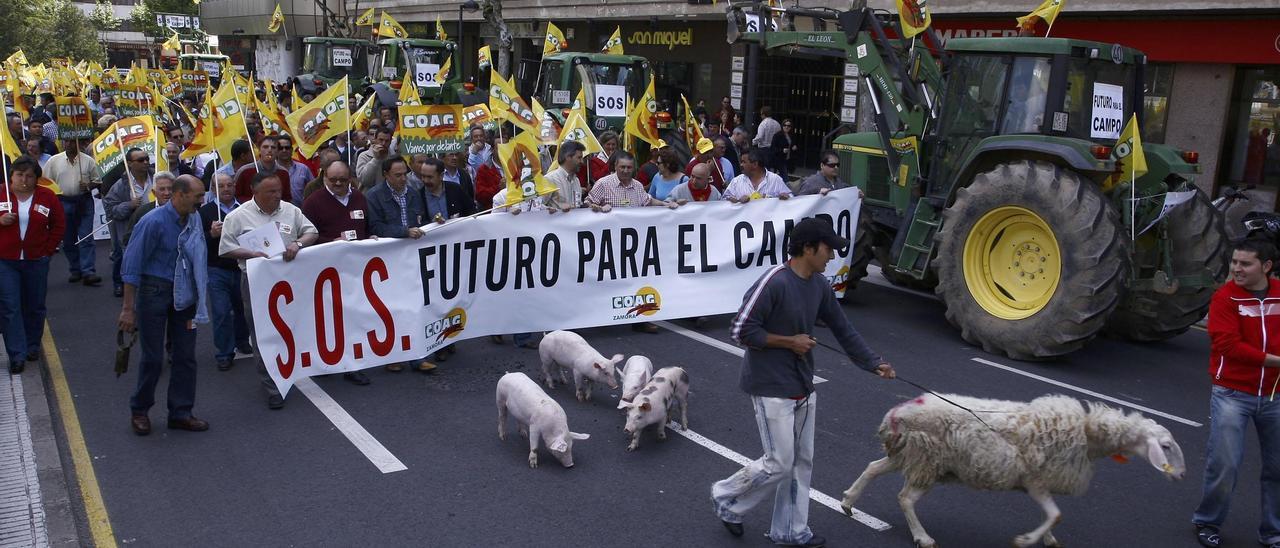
{"x": 610, "y": 79}
{"x": 424, "y": 58}
{"x": 326, "y": 60}
{"x": 994, "y": 178}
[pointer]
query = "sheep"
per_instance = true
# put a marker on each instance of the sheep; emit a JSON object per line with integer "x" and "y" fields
{"x": 1045, "y": 447}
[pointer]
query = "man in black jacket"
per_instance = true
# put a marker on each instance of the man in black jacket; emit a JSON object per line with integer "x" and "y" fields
{"x": 443, "y": 201}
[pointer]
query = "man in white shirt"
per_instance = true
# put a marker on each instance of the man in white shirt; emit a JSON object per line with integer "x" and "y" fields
{"x": 76, "y": 175}
{"x": 295, "y": 230}
{"x": 768, "y": 127}
{"x": 755, "y": 182}
{"x": 569, "y": 190}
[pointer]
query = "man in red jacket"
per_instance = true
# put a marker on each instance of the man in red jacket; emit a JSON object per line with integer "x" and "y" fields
{"x": 1244, "y": 363}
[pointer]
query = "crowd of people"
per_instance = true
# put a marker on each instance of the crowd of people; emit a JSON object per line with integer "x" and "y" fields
{"x": 357, "y": 186}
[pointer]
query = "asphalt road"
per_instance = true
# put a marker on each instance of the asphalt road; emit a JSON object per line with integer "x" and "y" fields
{"x": 291, "y": 477}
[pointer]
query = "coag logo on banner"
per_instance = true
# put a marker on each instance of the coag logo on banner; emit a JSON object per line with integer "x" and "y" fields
{"x": 645, "y": 302}
{"x": 840, "y": 281}
{"x": 447, "y": 327}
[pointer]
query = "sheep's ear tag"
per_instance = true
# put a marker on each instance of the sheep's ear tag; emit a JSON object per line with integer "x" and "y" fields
{"x": 1120, "y": 458}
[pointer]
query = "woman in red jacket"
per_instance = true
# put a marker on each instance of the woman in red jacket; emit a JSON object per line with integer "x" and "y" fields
{"x": 31, "y": 225}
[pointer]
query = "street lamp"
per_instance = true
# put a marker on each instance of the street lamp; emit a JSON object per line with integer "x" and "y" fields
{"x": 471, "y": 7}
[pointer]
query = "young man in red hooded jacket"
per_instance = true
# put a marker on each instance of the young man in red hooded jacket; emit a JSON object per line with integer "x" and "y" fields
{"x": 1244, "y": 366}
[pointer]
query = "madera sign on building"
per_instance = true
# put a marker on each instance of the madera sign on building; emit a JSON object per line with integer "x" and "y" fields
{"x": 345, "y": 306}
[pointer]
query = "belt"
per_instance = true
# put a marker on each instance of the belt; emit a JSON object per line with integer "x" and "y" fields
{"x": 156, "y": 280}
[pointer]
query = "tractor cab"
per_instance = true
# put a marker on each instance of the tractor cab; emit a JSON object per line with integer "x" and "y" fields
{"x": 327, "y": 60}
{"x": 607, "y": 81}
{"x": 424, "y": 58}
{"x": 210, "y": 63}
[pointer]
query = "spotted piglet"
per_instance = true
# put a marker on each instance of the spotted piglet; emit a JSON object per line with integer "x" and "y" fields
{"x": 561, "y": 350}
{"x": 668, "y": 388}
{"x": 635, "y": 374}
{"x": 539, "y": 418}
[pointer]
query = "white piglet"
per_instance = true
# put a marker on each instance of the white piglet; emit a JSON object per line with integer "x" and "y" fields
{"x": 562, "y": 350}
{"x": 635, "y": 374}
{"x": 539, "y": 417}
{"x": 668, "y": 387}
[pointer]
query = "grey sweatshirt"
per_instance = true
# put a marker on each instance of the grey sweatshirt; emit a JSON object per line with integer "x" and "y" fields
{"x": 783, "y": 303}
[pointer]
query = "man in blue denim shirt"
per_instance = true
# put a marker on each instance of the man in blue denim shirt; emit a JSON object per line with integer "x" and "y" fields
{"x": 164, "y": 271}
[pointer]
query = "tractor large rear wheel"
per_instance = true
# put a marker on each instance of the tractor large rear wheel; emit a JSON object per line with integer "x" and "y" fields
{"x": 1030, "y": 260}
{"x": 1199, "y": 243}
{"x": 861, "y": 247}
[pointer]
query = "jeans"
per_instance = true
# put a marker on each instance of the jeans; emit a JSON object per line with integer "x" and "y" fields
{"x": 80, "y": 256}
{"x": 23, "y": 285}
{"x": 117, "y": 256}
{"x": 156, "y": 321}
{"x": 230, "y": 329}
{"x": 268, "y": 385}
{"x": 786, "y": 432}
{"x": 1230, "y": 412}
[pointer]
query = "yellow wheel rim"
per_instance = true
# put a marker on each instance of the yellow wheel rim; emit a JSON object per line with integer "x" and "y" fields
{"x": 1012, "y": 263}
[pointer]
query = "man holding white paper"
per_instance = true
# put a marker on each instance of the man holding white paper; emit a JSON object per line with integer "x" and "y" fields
{"x": 295, "y": 232}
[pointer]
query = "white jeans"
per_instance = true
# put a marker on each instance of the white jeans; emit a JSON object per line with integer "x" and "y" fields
{"x": 786, "y": 433}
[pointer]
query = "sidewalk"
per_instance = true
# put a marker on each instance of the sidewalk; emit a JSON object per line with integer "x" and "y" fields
{"x": 35, "y": 504}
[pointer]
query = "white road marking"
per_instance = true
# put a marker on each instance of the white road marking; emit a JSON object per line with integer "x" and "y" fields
{"x": 361, "y": 438}
{"x": 714, "y": 342}
{"x": 1088, "y": 392}
{"x": 817, "y": 496}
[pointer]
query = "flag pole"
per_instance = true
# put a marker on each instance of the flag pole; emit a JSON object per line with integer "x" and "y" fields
{"x": 244, "y": 121}
{"x": 1133, "y": 206}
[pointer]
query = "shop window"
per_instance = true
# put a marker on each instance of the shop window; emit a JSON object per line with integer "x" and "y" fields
{"x": 1155, "y": 116}
{"x": 1255, "y": 109}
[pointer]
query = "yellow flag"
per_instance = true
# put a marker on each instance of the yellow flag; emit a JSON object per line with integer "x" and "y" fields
{"x": 443, "y": 75}
{"x": 1128, "y": 153}
{"x": 365, "y": 19}
{"x": 295, "y": 102}
{"x": 1047, "y": 12}
{"x": 10, "y": 148}
{"x": 440, "y": 34}
{"x": 642, "y": 120}
{"x": 580, "y": 104}
{"x": 230, "y": 115}
{"x": 914, "y": 16}
{"x": 575, "y": 129}
{"x": 389, "y": 28}
{"x": 360, "y": 120}
{"x": 483, "y": 58}
{"x": 614, "y": 45}
{"x": 137, "y": 75}
{"x": 205, "y": 122}
{"x": 18, "y": 59}
{"x": 628, "y": 141}
{"x": 522, "y": 167}
{"x": 409, "y": 91}
{"x": 548, "y": 129}
{"x": 321, "y": 119}
{"x": 277, "y": 20}
{"x": 692, "y": 133}
{"x": 554, "y": 41}
{"x": 506, "y": 103}
{"x": 173, "y": 43}
{"x": 273, "y": 121}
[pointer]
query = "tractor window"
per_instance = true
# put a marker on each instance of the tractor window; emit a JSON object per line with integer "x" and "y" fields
{"x": 550, "y": 83}
{"x": 1097, "y": 95}
{"x": 1028, "y": 86}
{"x": 613, "y": 75}
{"x": 974, "y": 95}
{"x": 335, "y": 61}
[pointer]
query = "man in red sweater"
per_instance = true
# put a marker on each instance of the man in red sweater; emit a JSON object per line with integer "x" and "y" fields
{"x": 266, "y": 161}
{"x": 1244, "y": 365}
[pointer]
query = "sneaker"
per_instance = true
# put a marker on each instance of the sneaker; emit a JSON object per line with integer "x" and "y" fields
{"x": 357, "y": 378}
{"x": 33, "y": 356}
{"x": 814, "y": 541}
{"x": 441, "y": 356}
{"x": 734, "y": 529}
{"x": 425, "y": 366}
{"x": 16, "y": 366}
{"x": 75, "y": 278}
{"x": 495, "y": 339}
{"x": 395, "y": 367}
{"x": 224, "y": 365}
{"x": 275, "y": 402}
{"x": 92, "y": 280}
{"x": 245, "y": 349}
{"x": 1208, "y": 536}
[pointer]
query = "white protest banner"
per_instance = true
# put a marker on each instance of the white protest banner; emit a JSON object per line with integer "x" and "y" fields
{"x": 611, "y": 100}
{"x": 341, "y": 57}
{"x": 1108, "y": 111}
{"x": 344, "y": 306}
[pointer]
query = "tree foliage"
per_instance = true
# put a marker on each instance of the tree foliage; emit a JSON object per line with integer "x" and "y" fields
{"x": 45, "y": 29}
